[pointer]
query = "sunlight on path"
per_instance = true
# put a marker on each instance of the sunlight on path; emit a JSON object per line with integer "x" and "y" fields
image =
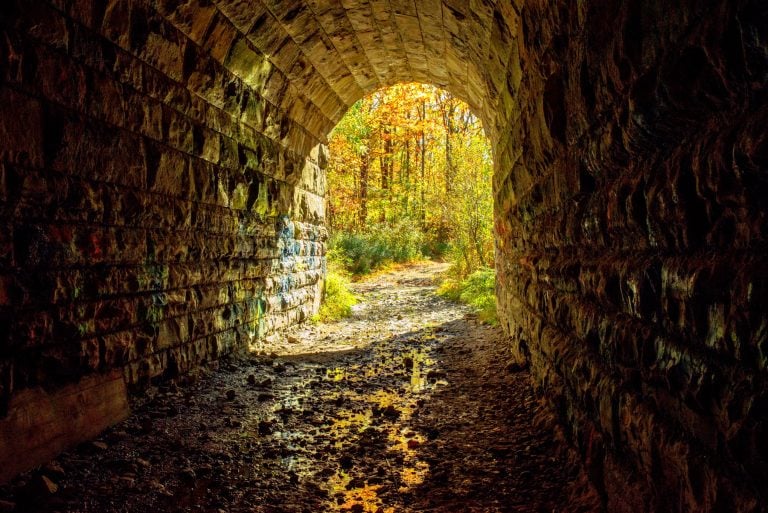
{"x": 404, "y": 407}
{"x": 392, "y": 303}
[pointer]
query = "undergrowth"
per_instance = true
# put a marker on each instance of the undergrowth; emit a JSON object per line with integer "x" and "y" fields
{"x": 338, "y": 300}
{"x": 477, "y": 290}
{"x": 380, "y": 245}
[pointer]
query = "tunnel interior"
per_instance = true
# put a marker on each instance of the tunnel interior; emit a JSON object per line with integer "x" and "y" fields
{"x": 162, "y": 199}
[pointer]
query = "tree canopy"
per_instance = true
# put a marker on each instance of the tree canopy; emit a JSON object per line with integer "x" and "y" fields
{"x": 413, "y": 157}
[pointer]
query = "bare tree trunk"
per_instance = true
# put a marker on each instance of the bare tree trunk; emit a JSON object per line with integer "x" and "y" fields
{"x": 448, "y": 120}
{"x": 448, "y": 111}
{"x": 385, "y": 163}
{"x": 422, "y": 185}
{"x": 385, "y": 160}
{"x": 364, "y": 164}
{"x": 407, "y": 172}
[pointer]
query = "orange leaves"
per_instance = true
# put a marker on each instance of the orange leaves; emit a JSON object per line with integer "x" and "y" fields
{"x": 410, "y": 151}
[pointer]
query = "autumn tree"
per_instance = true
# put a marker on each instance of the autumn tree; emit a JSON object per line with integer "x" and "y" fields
{"x": 414, "y": 158}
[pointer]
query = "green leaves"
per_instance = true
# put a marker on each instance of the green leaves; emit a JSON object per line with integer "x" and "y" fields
{"x": 477, "y": 290}
{"x": 409, "y": 173}
{"x": 337, "y": 299}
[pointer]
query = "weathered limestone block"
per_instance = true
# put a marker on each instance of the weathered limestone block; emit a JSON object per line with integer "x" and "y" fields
{"x": 628, "y": 242}
{"x": 47, "y": 423}
{"x": 21, "y": 129}
{"x": 162, "y": 199}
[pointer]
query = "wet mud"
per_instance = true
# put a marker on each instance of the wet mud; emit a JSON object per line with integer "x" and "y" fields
{"x": 407, "y": 406}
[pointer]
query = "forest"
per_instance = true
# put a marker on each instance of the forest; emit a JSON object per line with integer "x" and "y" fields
{"x": 409, "y": 177}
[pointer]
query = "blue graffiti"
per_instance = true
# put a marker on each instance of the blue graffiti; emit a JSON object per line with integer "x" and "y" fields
{"x": 285, "y": 240}
{"x": 285, "y": 285}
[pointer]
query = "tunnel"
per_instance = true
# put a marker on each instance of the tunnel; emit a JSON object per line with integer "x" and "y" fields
{"x": 162, "y": 199}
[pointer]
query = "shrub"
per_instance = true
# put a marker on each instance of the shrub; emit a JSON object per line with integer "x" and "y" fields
{"x": 477, "y": 290}
{"x": 363, "y": 252}
{"x": 337, "y": 299}
{"x": 357, "y": 252}
{"x": 435, "y": 249}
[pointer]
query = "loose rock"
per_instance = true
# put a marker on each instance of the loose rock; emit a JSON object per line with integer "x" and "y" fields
{"x": 345, "y": 419}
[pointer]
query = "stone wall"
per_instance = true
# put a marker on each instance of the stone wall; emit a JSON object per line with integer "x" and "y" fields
{"x": 632, "y": 230}
{"x": 152, "y": 216}
{"x": 161, "y": 202}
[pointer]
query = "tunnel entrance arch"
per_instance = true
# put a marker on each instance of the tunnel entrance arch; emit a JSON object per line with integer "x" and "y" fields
{"x": 188, "y": 137}
{"x": 409, "y": 175}
{"x": 151, "y": 151}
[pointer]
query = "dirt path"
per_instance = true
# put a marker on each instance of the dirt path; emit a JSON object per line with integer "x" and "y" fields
{"x": 405, "y": 407}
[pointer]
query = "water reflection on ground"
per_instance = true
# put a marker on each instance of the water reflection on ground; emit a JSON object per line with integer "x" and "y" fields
{"x": 404, "y": 407}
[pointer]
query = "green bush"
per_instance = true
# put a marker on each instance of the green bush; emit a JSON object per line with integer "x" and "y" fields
{"x": 337, "y": 299}
{"x": 435, "y": 249}
{"x": 477, "y": 290}
{"x": 379, "y": 245}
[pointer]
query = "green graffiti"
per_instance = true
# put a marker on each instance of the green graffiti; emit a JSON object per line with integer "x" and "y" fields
{"x": 262, "y": 203}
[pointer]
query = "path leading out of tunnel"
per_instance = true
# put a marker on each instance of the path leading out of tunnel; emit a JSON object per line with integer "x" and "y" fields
{"x": 407, "y": 406}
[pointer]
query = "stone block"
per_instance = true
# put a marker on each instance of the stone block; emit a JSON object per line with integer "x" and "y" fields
{"x": 21, "y": 129}
{"x": 40, "y": 424}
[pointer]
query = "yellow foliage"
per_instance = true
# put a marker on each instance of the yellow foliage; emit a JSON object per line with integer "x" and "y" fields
{"x": 414, "y": 152}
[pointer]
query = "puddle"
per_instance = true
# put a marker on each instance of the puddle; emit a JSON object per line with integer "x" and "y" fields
{"x": 335, "y": 423}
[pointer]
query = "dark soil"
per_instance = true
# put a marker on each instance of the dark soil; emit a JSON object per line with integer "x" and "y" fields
{"x": 407, "y": 406}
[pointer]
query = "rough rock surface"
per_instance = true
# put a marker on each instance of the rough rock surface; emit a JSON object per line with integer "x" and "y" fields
{"x": 421, "y": 415}
{"x": 632, "y": 231}
{"x": 162, "y": 201}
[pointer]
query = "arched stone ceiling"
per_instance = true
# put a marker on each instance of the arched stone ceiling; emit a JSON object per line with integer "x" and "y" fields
{"x": 315, "y": 58}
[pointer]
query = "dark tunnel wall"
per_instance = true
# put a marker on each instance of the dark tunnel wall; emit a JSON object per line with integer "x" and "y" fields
{"x": 152, "y": 217}
{"x": 162, "y": 204}
{"x": 632, "y": 223}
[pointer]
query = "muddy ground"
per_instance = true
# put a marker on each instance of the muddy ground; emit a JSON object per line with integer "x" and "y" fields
{"x": 407, "y": 406}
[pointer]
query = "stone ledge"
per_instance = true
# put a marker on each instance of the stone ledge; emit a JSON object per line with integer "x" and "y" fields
{"x": 42, "y": 424}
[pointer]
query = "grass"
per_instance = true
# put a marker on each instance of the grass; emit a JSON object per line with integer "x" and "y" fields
{"x": 477, "y": 290}
{"x": 338, "y": 300}
{"x": 384, "y": 247}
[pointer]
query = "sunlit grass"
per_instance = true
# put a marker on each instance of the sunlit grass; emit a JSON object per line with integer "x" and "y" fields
{"x": 338, "y": 300}
{"x": 477, "y": 290}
